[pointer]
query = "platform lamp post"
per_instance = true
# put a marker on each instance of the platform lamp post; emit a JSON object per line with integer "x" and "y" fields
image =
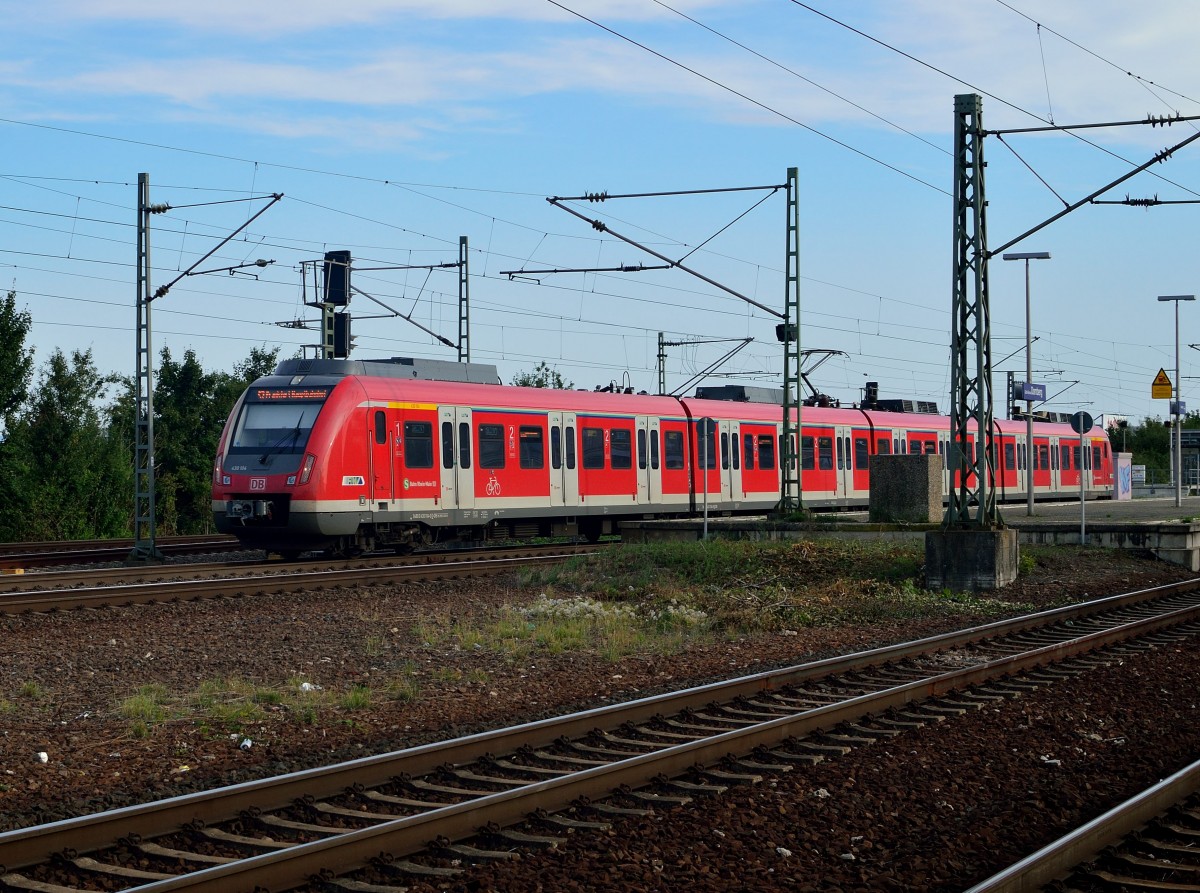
{"x": 1177, "y": 404}
{"x": 1027, "y": 256}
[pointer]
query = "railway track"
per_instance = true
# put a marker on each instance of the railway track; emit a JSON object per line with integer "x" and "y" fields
{"x": 378, "y": 815}
{"x": 1150, "y": 842}
{"x": 58, "y": 591}
{"x": 51, "y": 553}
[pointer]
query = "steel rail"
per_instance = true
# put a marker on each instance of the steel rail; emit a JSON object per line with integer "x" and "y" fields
{"x": 96, "y": 577}
{"x": 1081, "y": 845}
{"x": 353, "y": 850}
{"x": 14, "y": 556}
{"x": 26, "y": 846}
{"x": 241, "y": 584}
{"x": 18, "y": 548}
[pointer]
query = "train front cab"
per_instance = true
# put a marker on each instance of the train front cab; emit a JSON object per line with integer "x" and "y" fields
{"x": 267, "y": 462}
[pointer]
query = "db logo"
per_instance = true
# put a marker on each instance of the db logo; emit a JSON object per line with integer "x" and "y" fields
{"x": 258, "y": 483}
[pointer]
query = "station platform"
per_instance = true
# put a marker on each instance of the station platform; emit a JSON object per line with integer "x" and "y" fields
{"x": 1150, "y": 524}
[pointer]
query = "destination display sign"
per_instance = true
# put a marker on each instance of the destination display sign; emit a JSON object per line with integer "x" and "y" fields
{"x": 286, "y": 395}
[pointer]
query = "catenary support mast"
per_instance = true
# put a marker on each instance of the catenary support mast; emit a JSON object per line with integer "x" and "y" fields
{"x": 144, "y": 546}
{"x": 791, "y": 490}
{"x": 972, "y": 495}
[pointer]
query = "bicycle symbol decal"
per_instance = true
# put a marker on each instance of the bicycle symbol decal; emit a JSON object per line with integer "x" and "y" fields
{"x": 493, "y": 485}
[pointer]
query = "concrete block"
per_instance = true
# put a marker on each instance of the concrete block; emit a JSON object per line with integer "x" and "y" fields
{"x": 970, "y": 560}
{"x": 906, "y": 489}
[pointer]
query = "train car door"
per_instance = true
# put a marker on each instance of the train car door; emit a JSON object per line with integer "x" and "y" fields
{"x": 727, "y": 431}
{"x": 554, "y": 420}
{"x": 860, "y": 447}
{"x": 458, "y": 484}
{"x": 845, "y": 462}
{"x": 653, "y": 472}
{"x": 382, "y": 452}
{"x": 569, "y": 472}
{"x": 649, "y": 484}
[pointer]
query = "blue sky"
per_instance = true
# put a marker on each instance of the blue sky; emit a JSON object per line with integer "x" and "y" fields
{"x": 393, "y": 127}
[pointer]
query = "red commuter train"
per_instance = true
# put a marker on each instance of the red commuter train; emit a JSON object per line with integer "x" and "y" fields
{"x": 353, "y": 455}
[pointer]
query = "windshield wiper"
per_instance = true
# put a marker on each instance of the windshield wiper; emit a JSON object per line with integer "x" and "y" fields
{"x": 294, "y": 434}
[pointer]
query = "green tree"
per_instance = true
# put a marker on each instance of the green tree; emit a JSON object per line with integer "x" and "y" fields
{"x": 16, "y": 360}
{"x": 72, "y": 472}
{"x": 1150, "y": 443}
{"x": 16, "y": 370}
{"x": 190, "y": 408}
{"x": 542, "y": 376}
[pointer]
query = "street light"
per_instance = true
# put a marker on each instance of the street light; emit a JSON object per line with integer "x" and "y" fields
{"x": 1030, "y": 453}
{"x": 1177, "y": 404}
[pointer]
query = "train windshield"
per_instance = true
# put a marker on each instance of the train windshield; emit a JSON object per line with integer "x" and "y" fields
{"x": 274, "y": 426}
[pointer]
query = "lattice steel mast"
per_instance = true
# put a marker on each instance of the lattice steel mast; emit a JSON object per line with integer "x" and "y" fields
{"x": 971, "y": 448}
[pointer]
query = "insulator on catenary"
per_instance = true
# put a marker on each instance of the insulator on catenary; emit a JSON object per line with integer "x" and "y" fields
{"x": 1163, "y": 120}
{"x": 596, "y": 196}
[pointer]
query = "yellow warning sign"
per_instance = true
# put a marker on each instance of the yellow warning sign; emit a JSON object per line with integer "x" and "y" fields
{"x": 1160, "y": 389}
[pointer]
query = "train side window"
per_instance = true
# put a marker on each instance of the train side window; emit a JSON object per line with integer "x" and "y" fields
{"x": 861, "y": 453}
{"x": 735, "y": 454}
{"x": 1065, "y": 456}
{"x": 622, "y": 448}
{"x": 641, "y": 440}
{"x": 725, "y": 450}
{"x": 380, "y": 426}
{"x": 766, "y": 452}
{"x": 825, "y": 453}
{"x": 418, "y": 444}
{"x": 532, "y": 446}
{"x": 1010, "y": 457}
{"x": 447, "y": 444}
{"x": 673, "y": 447}
{"x": 1075, "y": 458}
{"x": 593, "y": 447}
{"x": 807, "y": 455}
{"x": 885, "y": 447}
{"x": 555, "y": 446}
{"x": 895, "y": 445}
{"x": 491, "y": 446}
{"x": 1043, "y": 452}
{"x": 748, "y": 451}
{"x": 1096, "y": 463}
{"x": 654, "y": 449}
{"x": 841, "y": 462}
{"x": 464, "y": 445}
{"x": 570, "y": 447}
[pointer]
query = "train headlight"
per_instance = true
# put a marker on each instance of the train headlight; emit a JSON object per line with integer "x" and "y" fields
{"x": 306, "y": 469}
